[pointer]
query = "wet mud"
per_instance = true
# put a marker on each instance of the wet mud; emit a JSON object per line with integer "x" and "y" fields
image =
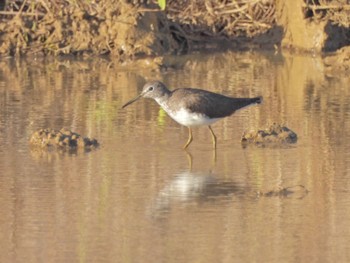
{"x": 337, "y": 62}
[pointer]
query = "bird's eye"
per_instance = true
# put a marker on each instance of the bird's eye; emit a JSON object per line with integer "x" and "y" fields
{"x": 150, "y": 88}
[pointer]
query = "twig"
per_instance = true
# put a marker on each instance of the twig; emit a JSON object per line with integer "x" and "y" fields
{"x": 148, "y": 10}
{"x": 43, "y": 3}
{"x": 13, "y": 13}
{"x": 324, "y": 7}
{"x": 22, "y": 7}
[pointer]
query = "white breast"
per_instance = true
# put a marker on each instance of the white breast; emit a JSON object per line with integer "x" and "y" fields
{"x": 186, "y": 118}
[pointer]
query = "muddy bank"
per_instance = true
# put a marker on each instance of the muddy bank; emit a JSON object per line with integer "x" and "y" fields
{"x": 126, "y": 30}
{"x": 111, "y": 27}
{"x": 313, "y": 26}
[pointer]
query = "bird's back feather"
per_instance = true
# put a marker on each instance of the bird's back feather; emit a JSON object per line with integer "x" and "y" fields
{"x": 209, "y": 103}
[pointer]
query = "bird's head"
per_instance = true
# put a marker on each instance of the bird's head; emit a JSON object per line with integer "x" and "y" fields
{"x": 153, "y": 90}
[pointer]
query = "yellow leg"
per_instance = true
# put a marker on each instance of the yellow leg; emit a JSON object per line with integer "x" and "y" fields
{"x": 213, "y": 137}
{"x": 190, "y": 138}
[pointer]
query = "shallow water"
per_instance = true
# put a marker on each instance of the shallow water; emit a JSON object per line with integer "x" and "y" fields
{"x": 141, "y": 198}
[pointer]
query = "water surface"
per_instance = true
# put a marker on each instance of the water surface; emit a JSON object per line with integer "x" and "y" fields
{"x": 141, "y": 198}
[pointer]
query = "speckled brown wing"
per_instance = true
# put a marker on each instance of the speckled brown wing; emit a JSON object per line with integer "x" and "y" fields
{"x": 211, "y": 104}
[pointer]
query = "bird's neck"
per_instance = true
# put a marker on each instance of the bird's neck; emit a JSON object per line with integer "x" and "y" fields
{"x": 161, "y": 100}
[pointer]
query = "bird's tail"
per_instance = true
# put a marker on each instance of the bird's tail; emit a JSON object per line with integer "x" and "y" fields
{"x": 240, "y": 103}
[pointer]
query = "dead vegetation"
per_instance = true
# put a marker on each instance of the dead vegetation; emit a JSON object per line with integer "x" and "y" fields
{"x": 223, "y": 19}
{"x": 336, "y": 11}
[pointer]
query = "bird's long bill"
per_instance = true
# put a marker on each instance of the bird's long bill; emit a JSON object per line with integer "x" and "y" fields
{"x": 131, "y": 101}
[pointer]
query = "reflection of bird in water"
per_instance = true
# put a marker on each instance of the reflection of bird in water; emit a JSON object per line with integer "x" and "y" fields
{"x": 188, "y": 187}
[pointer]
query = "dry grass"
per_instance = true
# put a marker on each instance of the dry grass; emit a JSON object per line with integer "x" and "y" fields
{"x": 223, "y": 18}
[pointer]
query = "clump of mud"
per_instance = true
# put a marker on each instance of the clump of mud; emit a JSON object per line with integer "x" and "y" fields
{"x": 273, "y": 135}
{"x": 63, "y": 139}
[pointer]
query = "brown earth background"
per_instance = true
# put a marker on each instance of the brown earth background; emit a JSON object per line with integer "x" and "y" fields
{"x": 126, "y": 30}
